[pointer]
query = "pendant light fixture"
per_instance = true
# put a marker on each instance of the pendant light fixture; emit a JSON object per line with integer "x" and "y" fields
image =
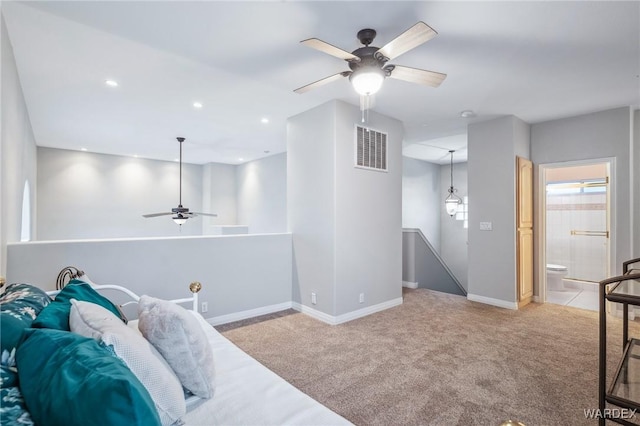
{"x": 452, "y": 201}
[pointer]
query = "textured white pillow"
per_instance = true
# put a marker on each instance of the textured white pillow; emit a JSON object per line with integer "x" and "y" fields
{"x": 91, "y": 320}
{"x": 178, "y": 336}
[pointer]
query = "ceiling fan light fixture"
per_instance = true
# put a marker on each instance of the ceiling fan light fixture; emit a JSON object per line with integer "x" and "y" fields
{"x": 180, "y": 220}
{"x": 367, "y": 81}
{"x": 452, "y": 201}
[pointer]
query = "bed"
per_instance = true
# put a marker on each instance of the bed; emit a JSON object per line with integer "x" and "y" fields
{"x": 218, "y": 383}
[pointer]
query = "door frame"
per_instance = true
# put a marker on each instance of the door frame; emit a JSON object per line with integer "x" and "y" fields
{"x": 541, "y": 233}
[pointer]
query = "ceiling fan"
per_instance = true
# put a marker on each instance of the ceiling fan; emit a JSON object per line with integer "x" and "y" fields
{"x": 180, "y": 214}
{"x": 369, "y": 65}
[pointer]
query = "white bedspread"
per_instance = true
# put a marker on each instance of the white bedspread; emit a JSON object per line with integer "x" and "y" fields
{"x": 248, "y": 393}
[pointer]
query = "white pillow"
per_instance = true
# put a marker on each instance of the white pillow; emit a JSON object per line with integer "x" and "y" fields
{"x": 178, "y": 336}
{"x": 91, "y": 320}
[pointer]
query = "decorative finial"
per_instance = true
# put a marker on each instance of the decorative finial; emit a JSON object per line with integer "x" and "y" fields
{"x": 195, "y": 287}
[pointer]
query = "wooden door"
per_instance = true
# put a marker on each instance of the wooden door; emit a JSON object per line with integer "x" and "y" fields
{"x": 524, "y": 230}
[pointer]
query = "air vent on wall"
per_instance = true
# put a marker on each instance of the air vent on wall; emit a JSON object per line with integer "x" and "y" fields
{"x": 371, "y": 149}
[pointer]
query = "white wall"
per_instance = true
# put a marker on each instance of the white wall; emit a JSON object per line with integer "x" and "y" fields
{"x": 17, "y": 151}
{"x": 593, "y": 136}
{"x": 114, "y": 192}
{"x": 218, "y": 196}
{"x": 87, "y": 195}
{"x": 421, "y": 198}
{"x": 262, "y": 194}
{"x": 346, "y": 222}
{"x": 453, "y": 235}
{"x": 493, "y": 146}
{"x": 238, "y": 273}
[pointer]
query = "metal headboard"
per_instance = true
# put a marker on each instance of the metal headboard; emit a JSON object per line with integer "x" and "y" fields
{"x": 69, "y": 273}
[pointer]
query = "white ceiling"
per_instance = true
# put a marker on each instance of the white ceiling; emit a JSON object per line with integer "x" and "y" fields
{"x": 242, "y": 60}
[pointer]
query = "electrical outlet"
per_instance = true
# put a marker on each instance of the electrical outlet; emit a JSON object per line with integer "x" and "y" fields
{"x": 314, "y": 299}
{"x": 205, "y": 307}
{"x": 361, "y": 297}
{"x": 486, "y": 226}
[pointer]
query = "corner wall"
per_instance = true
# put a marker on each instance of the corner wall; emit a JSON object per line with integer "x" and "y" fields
{"x": 421, "y": 193}
{"x": 493, "y": 146}
{"x": 17, "y": 151}
{"x": 346, "y": 221}
{"x": 262, "y": 194}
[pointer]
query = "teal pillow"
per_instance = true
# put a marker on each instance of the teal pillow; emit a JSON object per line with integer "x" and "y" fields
{"x": 19, "y": 306}
{"x": 56, "y": 315}
{"x": 67, "y": 379}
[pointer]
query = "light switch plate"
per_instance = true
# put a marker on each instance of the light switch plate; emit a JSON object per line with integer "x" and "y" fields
{"x": 486, "y": 226}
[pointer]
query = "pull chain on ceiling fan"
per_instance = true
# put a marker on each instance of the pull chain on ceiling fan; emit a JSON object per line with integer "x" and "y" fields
{"x": 179, "y": 214}
{"x": 369, "y": 65}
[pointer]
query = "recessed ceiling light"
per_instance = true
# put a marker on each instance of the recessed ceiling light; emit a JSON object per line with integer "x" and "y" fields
{"x": 240, "y": 159}
{"x": 135, "y": 155}
{"x": 111, "y": 83}
{"x": 467, "y": 113}
{"x": 197, "y": 105}
{"x": 176, "y": 159}
{"x": 83, "y": 149}
{"x": 266, "y": 151}
{"x": 264, "y": 120}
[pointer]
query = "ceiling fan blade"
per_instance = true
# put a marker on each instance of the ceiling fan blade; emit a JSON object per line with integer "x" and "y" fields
{"x": 406, "y": 41}
{"x": 156, "y": 214}
{"x": 330, "y": 49}
{"x": 322, "y": 82}
{"x": 203, "y": 214}
{"x": 415, "y": 75}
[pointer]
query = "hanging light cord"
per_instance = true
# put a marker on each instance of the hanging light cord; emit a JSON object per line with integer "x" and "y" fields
{"x": 180, "y": 195}
{"x": 451, "y": 168}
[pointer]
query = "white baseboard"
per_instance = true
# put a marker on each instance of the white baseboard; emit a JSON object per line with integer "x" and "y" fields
{"x": 349, "y": 316}
{"x": 409, "y": 284}
{"x": 491, "y": 301}
{"x": 237, "y": 316}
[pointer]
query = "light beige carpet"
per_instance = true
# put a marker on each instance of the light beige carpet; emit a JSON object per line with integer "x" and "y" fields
{"x": 439, "y": 359}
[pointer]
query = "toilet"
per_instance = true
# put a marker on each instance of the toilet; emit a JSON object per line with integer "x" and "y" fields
{"x": 555, "y": 274}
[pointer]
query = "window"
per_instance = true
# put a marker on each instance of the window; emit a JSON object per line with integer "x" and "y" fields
{"x": 25, "y": 232}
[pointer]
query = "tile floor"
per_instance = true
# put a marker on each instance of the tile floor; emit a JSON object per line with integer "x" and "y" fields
{"x": 577, "y": 294}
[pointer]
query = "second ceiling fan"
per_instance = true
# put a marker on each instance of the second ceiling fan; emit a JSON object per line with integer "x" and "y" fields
{"x": 180, "y": 214}
{"x": 369, "y": 65}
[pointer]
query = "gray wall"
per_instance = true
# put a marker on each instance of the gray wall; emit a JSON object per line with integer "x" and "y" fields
{"x": 493, "y": 146}
{"x": 262, "y": 194}
{"x": 421, "y": 198}
{"x": 453, "y": 235}
{"x": 238, "y": 273}
{"x": 368, "y": 216}
{"x": 17, "y": 151}
{"x": 310, "y": 205}
{"x": 346, "y": 222}
{"x": 593, "y": 136}
{"x": 85, "y": 195}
